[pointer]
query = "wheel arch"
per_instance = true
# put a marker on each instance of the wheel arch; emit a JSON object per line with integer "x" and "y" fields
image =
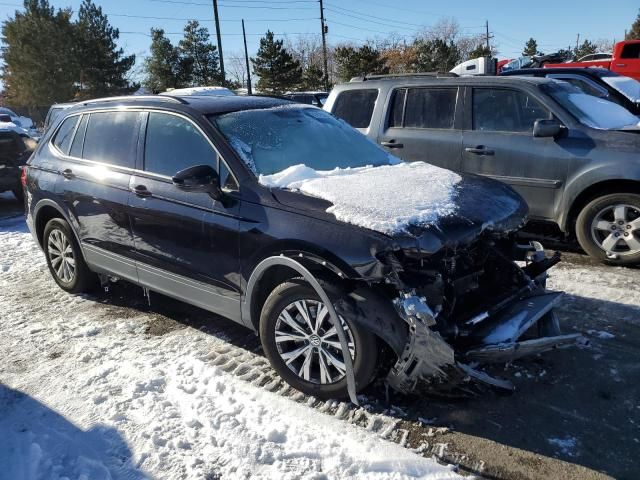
{"x": 365, "y": 306}
{"x": 44, "y": 211}
{"x": 592, "y": 192}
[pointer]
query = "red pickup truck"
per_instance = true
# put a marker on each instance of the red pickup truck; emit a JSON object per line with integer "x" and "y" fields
{"x": 625, "y": 60}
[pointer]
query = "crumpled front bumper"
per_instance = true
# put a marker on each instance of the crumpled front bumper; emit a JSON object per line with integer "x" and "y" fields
{"x": 429, "y": 360}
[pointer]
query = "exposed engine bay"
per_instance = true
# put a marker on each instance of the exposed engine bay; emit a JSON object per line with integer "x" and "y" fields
{"x": 473, "y": 306}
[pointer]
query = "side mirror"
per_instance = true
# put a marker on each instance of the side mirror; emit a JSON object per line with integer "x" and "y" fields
{"x": 547, "y": 128}
{"x": 199, "y": 178}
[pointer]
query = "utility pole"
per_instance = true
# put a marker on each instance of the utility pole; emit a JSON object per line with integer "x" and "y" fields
{"x": 246, "y": 57}
{"x": 487, "y": 28}
{"x": 577, "y": 41}
{"x": 215, "y": 14}
{"x": 324, "y": 30}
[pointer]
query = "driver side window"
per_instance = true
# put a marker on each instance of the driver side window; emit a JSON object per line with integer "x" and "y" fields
{"x": 172, "y": 143}
{"x": 501, "y": 110}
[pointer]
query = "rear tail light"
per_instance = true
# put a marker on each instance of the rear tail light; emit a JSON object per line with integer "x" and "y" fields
{"x": 23, "y": 176}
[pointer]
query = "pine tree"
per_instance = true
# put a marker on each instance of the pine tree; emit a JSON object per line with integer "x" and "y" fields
{"x": 353, "y": 62}
{"x": 163, "y": 67}
{"x": 312, "y": 78}
{"x": 634, "y": 33}
{"x": 531, "y": 48}
{"x": 38, "y": 54}
{"x": 435, "y": 56}
{"x": 480, "y": 51}
{"x": 587, "y": 48}
{"x": 275, "y": 66}
{"x": 102, "y": 65}
{"x": 199, "y": 57}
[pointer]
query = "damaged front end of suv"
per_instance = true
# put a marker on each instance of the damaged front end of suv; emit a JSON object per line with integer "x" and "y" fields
{"x": 468, "y": 293}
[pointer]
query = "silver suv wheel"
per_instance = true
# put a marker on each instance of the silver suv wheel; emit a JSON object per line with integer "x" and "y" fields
{"x": 308, "y": 342}
{"x": 61, "y": 256}
{"x": 616, "y": 229}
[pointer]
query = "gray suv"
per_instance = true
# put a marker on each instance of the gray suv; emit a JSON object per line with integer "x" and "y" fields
{"x": 575, "y": 158}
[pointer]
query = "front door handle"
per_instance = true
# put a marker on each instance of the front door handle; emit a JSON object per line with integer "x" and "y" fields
{"x": 621, "y": 65}
{"x": 141, "y": 191}
{"x": 392, "y": 144}
{"x": 479, "y": 150}
{"x": 68, "y": 174}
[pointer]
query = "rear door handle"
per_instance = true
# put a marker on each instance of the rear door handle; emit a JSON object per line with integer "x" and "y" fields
{"x": 479, "y": 150}
{"x": 68, "y": 174}
{"x": 621, "y": 64}
{"x": 392, "y": 144}
{"x": 141, "y": 191}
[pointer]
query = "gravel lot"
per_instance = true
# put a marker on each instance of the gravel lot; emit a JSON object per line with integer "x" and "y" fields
{"x": 575, "y": 414}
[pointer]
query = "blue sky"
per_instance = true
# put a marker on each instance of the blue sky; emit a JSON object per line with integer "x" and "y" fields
{"x": 554, "y": 24}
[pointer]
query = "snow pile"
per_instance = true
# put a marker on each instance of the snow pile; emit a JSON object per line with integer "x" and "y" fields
{"x": 387, "y": 198}
{"x": 85, "y": 393}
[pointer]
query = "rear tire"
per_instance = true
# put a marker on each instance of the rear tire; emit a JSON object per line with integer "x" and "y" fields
{"x": 290, "y": 346}
{"x": 608, "y": 228}
{"x": 64, "y": 258}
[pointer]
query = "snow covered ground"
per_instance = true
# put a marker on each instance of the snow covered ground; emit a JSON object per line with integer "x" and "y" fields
{"x": 86, "y": 393}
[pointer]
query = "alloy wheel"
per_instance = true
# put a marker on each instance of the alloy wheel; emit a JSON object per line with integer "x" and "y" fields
{"x": 61, "y": 255}
{"x": 307, "y": 341}
{"x": 616, "y": 229}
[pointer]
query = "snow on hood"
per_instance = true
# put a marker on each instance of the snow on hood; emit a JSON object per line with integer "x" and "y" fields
{"x": 387, "y": 199}
{"x": 629, "y": 87}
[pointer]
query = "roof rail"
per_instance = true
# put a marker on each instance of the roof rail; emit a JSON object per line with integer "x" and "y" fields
{"x": 162, "y": 98}
{"x": 405, "y": 75}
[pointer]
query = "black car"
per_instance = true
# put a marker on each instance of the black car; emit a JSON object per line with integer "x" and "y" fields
{"x": 177, "y": 195}
{"x": 573, "y": 157}
{"x": 316, "y": 99}
{"x": 13, "y": 155}
{"x": 599, "y": 82}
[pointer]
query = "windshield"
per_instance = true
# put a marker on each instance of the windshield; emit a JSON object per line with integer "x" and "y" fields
{"x": 591, "y": 111}
{"x": 627, "y": 86}
{"x": 272, "y": 139}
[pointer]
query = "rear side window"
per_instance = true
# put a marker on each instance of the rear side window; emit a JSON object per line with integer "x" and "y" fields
{"x": 356, "y": 107}
{"x": 631, "y": 50}
{"x": 64, "y": 135}
{"x": 111, "y": 137}
{"x": 173, "y": 143}
{"x": 496, "y": 110}
{"x": 430, "y": 108}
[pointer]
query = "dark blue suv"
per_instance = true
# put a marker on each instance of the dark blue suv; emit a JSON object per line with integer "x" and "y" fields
{"x": 408, "y": 267}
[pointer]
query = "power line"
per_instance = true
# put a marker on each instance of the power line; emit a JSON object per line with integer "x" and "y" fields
{"x": 127, "y": 15}
{"x": 384, "y": 20}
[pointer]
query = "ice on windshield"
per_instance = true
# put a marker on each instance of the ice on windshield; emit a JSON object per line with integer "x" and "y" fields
{"x": 272, "y": 139}
{"x": 629, "y": 87}
{"x": 387, "y": 199}
{"x": 591, "y": 111}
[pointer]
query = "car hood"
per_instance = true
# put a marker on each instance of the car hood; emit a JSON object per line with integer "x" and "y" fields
{"x": 479, "y": 204}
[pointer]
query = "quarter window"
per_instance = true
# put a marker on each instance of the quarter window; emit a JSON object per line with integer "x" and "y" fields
{"x": 430, "y": 108}
{"x": 111, "y": 137}
{"x": 356, "y": 107}
{"x": 173, "y": 143}
{"x": 496, "y": 110}
{"x": 64, "y": 135}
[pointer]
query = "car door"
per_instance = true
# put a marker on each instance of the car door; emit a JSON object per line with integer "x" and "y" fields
{"x": 498, "y": 142}
{"x": 629, "y": 62}
{"x": 186, "y": 242}
{"x": 96, "y": 155}
{"x": 420, "y": 125}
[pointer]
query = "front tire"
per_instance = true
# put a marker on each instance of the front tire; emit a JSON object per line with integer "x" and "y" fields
{"x": 608, "y": 228}
{"x": 302, "y": 345}
{"x": 64, "y": 258}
